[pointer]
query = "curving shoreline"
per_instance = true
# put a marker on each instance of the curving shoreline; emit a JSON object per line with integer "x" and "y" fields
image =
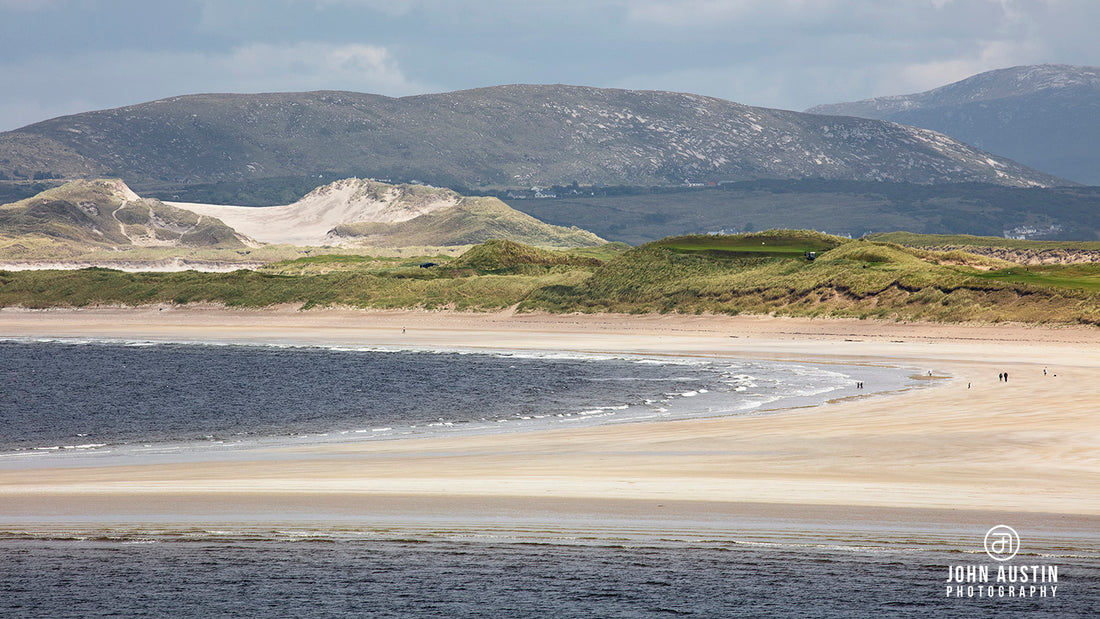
{"x": 1026, "y": 449}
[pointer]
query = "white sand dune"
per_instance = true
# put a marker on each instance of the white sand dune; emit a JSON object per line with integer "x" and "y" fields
{"x": 309, "y": 220}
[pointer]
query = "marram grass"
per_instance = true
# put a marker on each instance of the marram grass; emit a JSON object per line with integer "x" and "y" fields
{"x": 722, "y": 275}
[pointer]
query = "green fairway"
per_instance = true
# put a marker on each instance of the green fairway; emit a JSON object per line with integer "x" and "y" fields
{"x": 785, "y": 244}
{"x": 1068, "y": 276}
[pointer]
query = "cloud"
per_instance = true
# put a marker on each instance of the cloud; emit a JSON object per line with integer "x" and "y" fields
{"x": 779, "y": 53}
{"x": 921, "y": 76}
{"x": 26, "y": 5}
{"x": 314, "y": 66}
{"x": 50, "y": 86}
{"x": 799, "y": 53}
{"x": 713, "y": 13}
{"x": 386, "y": 7}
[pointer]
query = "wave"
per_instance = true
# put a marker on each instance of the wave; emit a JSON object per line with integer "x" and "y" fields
{"x": 592, "y": 388}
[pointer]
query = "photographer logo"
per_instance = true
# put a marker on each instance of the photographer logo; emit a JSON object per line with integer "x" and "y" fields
{"x": 1002, "y": 543}
{"x": 1002, "y": 579}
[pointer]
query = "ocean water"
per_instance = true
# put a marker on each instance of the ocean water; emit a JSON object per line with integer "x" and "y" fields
{"x": 289, "y": 574}
{"x": 79, "y": 399}
{"x": 66, "y": 396}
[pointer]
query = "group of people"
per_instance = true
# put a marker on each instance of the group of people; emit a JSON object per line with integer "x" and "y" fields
{"x": 1003, "y": 377}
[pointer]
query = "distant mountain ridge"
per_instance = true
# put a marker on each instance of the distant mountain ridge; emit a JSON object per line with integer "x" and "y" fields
{"x": 1044, "y": 116}
{"x": 511, "y": 136}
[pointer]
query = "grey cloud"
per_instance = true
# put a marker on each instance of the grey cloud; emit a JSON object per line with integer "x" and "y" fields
{"x": 781, "y": 53}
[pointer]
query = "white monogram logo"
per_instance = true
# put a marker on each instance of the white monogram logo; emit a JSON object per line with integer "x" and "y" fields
{"x": 1002, "y": 543}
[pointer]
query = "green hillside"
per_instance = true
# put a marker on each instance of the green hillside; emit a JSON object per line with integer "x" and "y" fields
{"x": 499, "y": 256}
{"x": 471, "y": 221}
{"x": 722, "y": 275}
{"x": 864, "y": 279}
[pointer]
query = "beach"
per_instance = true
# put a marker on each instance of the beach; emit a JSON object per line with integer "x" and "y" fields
{"x": 966, "y": 452}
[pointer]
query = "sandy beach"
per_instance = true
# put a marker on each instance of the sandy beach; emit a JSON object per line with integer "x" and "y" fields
{"x": 966, "y": 451}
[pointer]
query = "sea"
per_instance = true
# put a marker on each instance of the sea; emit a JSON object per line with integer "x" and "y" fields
{"x": 95, "y": 396}
{"x": 289, "y": 573}
{"x": 65, "y": 401}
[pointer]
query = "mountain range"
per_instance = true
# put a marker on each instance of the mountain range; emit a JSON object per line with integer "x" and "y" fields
{"x": 506, "y": 136}
{"x": 1043, "y": 116}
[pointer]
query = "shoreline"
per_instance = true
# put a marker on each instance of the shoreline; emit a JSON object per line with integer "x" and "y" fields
{"x": 1028, "y": 448}
{"x": 885, "y": 380}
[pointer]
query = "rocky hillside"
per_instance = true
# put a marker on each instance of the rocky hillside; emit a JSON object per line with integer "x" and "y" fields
{"x": 513, "y": 136}
{"x": 107, "y": 213}
{"x": 1044, "y": 116}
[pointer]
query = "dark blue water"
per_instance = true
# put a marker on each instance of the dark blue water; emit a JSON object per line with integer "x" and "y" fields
{"x": 339, "y": 577}
{"x": 66, "y": 394}
{"x": 69, "y": 394}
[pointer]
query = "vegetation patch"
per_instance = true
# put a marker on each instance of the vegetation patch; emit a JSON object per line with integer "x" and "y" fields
{"x": 770, "y": 244}
{"x": 471, "y": 221}
{"x": 1070, "y": 277}
{"x": 999, "y": 249}
{"x": 910, "y": 239}
{"x": 861, "y": 279}
{"x": 498, "y": 256}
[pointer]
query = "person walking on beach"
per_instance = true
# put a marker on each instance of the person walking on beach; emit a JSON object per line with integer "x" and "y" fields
{"x": 1006, "y": 377}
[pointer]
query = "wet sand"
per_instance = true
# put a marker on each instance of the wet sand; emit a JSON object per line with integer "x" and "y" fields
{"x": 966, "y": 451}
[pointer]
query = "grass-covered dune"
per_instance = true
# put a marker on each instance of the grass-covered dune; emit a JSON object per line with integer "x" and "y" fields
{"x": 765, "y": 273}
{"x": 472, "y": 220}
{"x": 1014, "y": 250}
{"x": 398, "y": 288}
{"x": 856, "y": 278}
{"x": 105, "y": 213}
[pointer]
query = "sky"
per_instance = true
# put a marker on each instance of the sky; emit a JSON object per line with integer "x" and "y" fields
{"x": 66, "y": 56}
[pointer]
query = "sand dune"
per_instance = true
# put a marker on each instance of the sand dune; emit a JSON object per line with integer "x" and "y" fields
{"x": 308, "y": 221}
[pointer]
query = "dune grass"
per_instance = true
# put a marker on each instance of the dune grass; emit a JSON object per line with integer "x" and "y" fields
{"x": 721, "y": 275}
{"x": 910, "y": 239}
{"x": 861, "y": 279}
{"x": 96, "y": 286}
{"x": 1065, "y": 276}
